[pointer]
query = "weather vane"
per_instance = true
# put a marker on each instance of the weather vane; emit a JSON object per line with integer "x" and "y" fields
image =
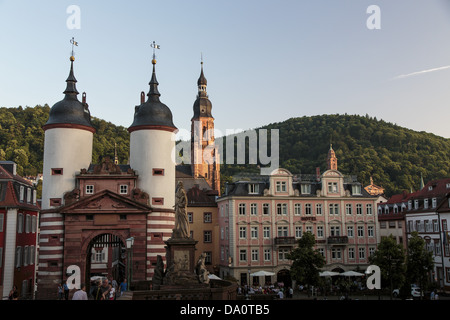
{"x": 74, "y": 43}
{"x": 155, "y": 46}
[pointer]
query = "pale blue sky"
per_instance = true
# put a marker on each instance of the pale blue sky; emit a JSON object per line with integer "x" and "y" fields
{"x": 265, "y": 61}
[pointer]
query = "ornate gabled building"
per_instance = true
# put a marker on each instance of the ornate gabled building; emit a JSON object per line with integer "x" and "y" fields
{"x": 89, "y": 211}
{"x": 262, "y": 217}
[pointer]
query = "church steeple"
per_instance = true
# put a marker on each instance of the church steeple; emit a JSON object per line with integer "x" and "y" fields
{"x": 202, "y": 106}
{"x": 331, "y": 159}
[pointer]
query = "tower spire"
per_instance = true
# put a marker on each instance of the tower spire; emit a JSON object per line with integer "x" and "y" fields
{"x": 153, "y": 82}
{"x": 71, "y": 81}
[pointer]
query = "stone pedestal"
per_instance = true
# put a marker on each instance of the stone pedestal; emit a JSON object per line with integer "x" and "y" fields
{"x": 180, "y": 259}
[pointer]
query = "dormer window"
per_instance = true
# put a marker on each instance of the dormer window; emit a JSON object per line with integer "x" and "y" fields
{"x": 430, "y": 188}
{"x": 434, "y": 202}
{"x": 332, "y": 187}
{"x": 305, "y": 188}
{"x": 281, "y": 186}
{"x": 253, "y": 188}
{"x": 409, "y": 204}
{"x": 356, "y": 189}
{"x": 395, "y": 208}
{"x": 425, "y": 203}
{"x": 416, "y": 204}
{"x": 447, "y": 185}
{"x": 22, "y": 193}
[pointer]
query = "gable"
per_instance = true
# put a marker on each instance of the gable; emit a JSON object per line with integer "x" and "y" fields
{"x": 106, "y": 202}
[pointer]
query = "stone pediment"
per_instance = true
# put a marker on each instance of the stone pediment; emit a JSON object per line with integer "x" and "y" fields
{"x": 105, "y": 201}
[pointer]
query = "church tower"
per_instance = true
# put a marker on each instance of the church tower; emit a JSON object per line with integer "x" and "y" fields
{"x": 204, "y": 153}
{"x": 68, "y": 141}
{"x": 331, "y": 159}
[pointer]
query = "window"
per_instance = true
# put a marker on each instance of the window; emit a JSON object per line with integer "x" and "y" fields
{"x": 28, "y": 223}
{"x": 409, "y": 204}
{"x": 18, "y": 257}
{"x": 391, "y": 224}
{"x": 222, "y": 234}
{"x": 190, "y": 217}
{"x": 267, "y": 255}
{"x": 282, "y": 208}
{"x": 158, "y": 201}
{"x": 89, "y": 189}
{"x": 305, "y": 189}
{"x": 351, "y": 253}
{"x": 309, "y": 229}
{"x": 2, "y": 221}
{"x": 207, "y": 236}
{"x": 254, "y": 232}
{"x": 335, "y": 253}
{"x": 22, "y": 192}
{"x": 319, "y": 209}
{"x": 283, "y": 231}
{"x": 266, "y": 209}
{"x": 321, "y": 251}
{"x": 253, "y": 188}
{"x": 433, "y": 202}
{"x": 332, "y": 187}
{"x": 416, "y": 204}
{"x": 253, "y": 209}
{"x": 57, "y": 171}
{"x": 25, "y": 256}
{"x": 243, "y": 255}
{"x": 281, "y": 186}
{"x": 350, "y": 231}
{"x": 308, "y": 209}
{"x": 242, "y": 209}
{"x": 359, "y": 208}
{"x": 266, "y": 232}
{"x": 207, "y": 217}
{"x": 208, "y": 257}
{"x": 158, "y": 172}
{"x": 242, "y": 232}
{"x": 255, "y": 254}
{"x": 123, "y": 189}
{"x": 369, "y": 209}
{"x": 334, "y": 208}
{"x": 360, "y": 231}
{"x": 34, "y": 196}
{"x": 356, "y": 189}
{"x": 298, "y": 231}
{"x": 20, "y": 223}
{"x": 395, "y": 208}
{"x": 297, "y": 209}
{"x": 319, "y": 231}
{"x": 335, "y": 231}
{"x": 362, "y": 253}
{"x": 348, "y": 208}
{"x": 436, "y": 225}
{"x": 282, "y": 254}
{"x": 371, "y": 251}
{"x": 28, "y": 195}
{"x": 425, "y": 203}
{"x": 370, "y": 232}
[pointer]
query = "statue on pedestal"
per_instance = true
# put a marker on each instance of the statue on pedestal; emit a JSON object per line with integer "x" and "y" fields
{"x": 181, "y": 221}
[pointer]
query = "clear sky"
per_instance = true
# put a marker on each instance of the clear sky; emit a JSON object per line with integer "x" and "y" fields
{"x": 265, "y": 61}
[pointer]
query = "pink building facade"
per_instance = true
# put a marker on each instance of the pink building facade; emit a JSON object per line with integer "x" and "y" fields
{"x": 262, "y": 218}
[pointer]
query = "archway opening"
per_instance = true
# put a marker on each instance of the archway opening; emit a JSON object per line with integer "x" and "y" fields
{"x": 105, "y": 257}
{"x": 284, "y": 278}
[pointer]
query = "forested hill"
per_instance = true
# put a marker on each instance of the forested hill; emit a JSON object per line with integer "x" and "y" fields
{"x": 394, "y": 156}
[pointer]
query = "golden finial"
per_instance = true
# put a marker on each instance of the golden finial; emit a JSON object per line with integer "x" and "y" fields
{"x": 73, "y": 42}
{"x": 154, "y": 46}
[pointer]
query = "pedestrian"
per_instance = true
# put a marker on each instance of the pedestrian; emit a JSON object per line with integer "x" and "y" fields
{"x": 123, "y": 287}
{"x": 436, "y": 296}
{"x": 112, "y": 293}
{"x": 280, "y": 294}
{"x": 66, "y": 290}
{"x": 60, "y": 291}
{"x": 97, "y": 293}
{"x": 80, "y": 294}
{"x": 13, "y": 293}
{"x": 291, "y": 292}
{"x": 104, "y": 289}
{"x": 432, "y": 295}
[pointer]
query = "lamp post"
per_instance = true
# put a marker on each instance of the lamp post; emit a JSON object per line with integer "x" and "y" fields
{"x": 130, "y": 242}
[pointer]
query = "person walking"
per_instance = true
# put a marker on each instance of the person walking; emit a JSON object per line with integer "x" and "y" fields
{"x": 60, "y": 291}
{"x": 123, "y": 287}
{"x": 80, "y": 294}
{"x": 66, "y": 290}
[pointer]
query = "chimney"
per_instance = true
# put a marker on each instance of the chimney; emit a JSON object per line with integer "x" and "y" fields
{"x": 9, "y": 166}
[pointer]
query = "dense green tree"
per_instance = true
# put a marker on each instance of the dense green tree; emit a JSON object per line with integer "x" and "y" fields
{"x": 306, "y": 261}
{"x": 419, "y": 262}
{"x": 390, "y": 258}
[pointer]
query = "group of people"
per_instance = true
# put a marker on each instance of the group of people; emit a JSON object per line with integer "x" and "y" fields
{"x": 106, "y": 289}
{"x": 280, "y": 291}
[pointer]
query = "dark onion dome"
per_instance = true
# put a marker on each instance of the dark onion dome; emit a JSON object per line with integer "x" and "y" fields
{"x": 202, "y": 106}
{"x": 152, "y": 114}
{"x": 70, "y": 112}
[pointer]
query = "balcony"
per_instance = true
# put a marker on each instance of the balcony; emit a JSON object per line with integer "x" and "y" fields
{"x": 284, "y": 241}
{"x": 337, "y": 240}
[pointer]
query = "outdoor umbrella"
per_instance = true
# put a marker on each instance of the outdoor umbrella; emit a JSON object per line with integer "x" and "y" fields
{"x": 351, "y": 274}
{"x": 262, "y": 273}
{"x": 328, "y": 274}
{"x": 213, "y": 276}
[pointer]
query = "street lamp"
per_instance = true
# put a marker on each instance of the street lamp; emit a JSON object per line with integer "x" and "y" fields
{"x": 130, "y": 243}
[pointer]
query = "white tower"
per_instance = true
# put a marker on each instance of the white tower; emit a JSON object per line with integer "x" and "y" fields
{"x": 152, "y": 146}
{"x": 67, "y": 145}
